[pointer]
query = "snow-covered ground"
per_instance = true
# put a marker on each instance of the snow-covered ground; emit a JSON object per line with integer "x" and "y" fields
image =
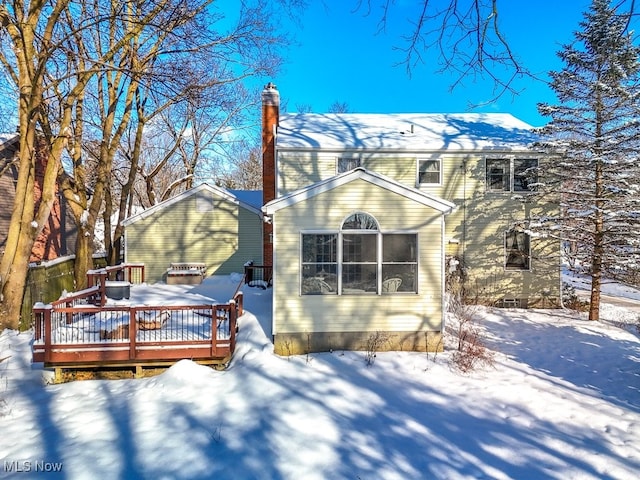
{"x": 561, "y": 402}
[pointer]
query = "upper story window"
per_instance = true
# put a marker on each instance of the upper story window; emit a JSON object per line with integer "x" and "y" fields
{"x": 359, "y": 259}
{"x": 525, "y": 174}
{"x": 429, "y": 172}
{"x": 507, "y": 175}
{"x": 346, "y": 164}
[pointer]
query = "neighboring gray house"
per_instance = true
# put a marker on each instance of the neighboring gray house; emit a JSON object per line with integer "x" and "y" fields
{"x": 220, "y": 228}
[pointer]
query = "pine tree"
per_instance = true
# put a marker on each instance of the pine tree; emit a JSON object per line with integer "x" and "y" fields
{"x": 594, "y": 133}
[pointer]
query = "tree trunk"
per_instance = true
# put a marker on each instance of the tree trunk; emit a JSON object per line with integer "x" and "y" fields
{"x": 84, "y": 257}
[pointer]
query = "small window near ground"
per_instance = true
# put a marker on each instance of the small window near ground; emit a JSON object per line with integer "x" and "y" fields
{"x": 429, "y": 172}
{"x": 517, "y": 245}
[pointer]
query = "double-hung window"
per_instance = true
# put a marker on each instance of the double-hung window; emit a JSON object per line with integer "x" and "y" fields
{"x": 428, "y": 172}
{"x": 359, "y": 254}
{"x": 525, "y": 174}
{"x": 319, "y": 263}
{"x": 358, "y": 259}
{"x": 511, "y": 175}
{"x": 399, "y": 262}
{"x": 498, "y": 175}
{"x": 517, "y": 247}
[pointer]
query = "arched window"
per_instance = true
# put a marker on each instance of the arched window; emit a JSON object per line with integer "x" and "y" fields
{"x": 360, "y": 221}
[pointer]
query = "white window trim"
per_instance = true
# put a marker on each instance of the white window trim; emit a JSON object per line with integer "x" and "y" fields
{"x": 506, "y": 255}
{"x": 440, "y": 174}
{"x": 339, "y": 251}
{"x": 511, "y": 159}
{"x": 348, "y": 156}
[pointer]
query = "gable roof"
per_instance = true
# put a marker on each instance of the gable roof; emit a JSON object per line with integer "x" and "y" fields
{"x": 382, "y": 181}
{"x": 404, "y": 132}
{"x": 218, "y": 191}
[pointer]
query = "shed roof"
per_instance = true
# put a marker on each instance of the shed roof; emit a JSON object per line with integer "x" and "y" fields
{"x": 404, "y": 132}
{"x": 218, "y": 191}
{"x": 382, "y": 181}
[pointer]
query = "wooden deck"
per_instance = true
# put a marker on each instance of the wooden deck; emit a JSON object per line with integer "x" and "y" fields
{"x": 84, "y": 330}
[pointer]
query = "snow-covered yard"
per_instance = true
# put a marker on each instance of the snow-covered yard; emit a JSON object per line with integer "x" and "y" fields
{"x": 562, "y": 401}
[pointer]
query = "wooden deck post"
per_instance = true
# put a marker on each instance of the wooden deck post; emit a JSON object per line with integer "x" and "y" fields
{"x": 132, "y": 333}
{"x": 214, "y": 330}
{"x": 47, "y": 334}
{"x": 233, "y": 318}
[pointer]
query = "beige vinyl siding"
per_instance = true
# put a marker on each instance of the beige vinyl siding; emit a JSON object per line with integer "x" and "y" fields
{"x": 366, "y": 312}
{"x": 300, "y": 170}
{"x": 477, "y": 227}
{"x": 401, "y": 169}
{"x": 223, "y": 238}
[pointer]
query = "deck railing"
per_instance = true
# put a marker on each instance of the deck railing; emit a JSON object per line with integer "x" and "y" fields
{"x": 126, "y": 272}
{"x": 70, "y": 332}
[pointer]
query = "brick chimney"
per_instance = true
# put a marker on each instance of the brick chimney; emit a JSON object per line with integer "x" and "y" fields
{"x": 270, "y": 116}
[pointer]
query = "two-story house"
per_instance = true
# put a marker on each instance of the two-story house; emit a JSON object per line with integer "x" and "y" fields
{"x": 367, "y": 215}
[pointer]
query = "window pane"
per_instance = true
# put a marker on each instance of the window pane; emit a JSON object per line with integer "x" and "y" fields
{"x": 346, "y": 164}
{"x": 319, "y": 248}
{"x": 498, "y": 175}
{"x": 319, "y": 279}
{"x": 360, "y": 221}
{"x": 399, "y": 247}
{"x": 525, "y": 173}
{"x": 359, "y": 278}
{"x": 359, "y": 247}
{"x": 517, "y": 250}
{"x": 399, "y": 278}
{"x": 319, "y": 264}
{"x": 429, "y": 171}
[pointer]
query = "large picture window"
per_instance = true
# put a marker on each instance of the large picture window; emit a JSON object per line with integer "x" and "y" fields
{"x": 517, "y": 246}
{"x": 359, "y": 259}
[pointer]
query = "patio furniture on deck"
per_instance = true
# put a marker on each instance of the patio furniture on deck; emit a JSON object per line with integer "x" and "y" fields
{"x": 186, "y": 273}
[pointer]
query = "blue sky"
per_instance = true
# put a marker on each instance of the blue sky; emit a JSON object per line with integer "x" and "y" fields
{"x": 340, "y": 57}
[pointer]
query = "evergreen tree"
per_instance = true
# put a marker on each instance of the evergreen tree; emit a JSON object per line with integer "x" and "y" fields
{"x": 594, "y": 133}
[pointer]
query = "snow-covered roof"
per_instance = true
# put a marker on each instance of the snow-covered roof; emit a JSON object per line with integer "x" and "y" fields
{"x": 7, "y": 138}
{"x": 218, "y": 191}
{"x": 403, "y": 131}
{"x": 374, "y": 178}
